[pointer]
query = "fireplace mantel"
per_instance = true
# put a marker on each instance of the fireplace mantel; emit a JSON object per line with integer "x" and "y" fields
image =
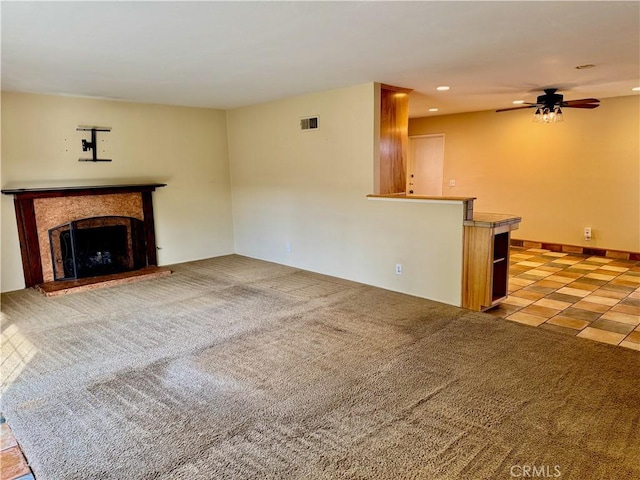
{"x": 80, "y": 190}
{"x": 30, "y": 202}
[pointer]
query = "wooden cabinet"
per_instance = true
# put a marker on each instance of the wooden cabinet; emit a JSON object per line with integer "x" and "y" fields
{"x": 485, "y": 275}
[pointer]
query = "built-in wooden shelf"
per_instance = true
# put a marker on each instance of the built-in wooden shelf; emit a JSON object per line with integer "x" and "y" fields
{"x": 485, "y": 275}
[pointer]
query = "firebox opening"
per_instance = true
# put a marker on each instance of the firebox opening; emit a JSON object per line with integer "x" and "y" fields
{"x": 98, "y": 251}
{"x": 97, "y": 246}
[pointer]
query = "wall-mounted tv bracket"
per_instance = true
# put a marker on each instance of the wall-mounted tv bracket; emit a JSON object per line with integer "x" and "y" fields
{"x": 92, "y": 145}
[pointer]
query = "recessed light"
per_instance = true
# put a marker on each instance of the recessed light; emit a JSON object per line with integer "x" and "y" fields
{"x": 433, "y": 109}
{"x": 636, "y": 89}
{"x": 585, "y": 66}
{"x": 443, "y": 88}
{"x": 518, "y": 102}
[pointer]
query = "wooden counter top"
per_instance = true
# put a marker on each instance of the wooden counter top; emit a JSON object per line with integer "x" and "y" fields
{"x": 491, "y": 220}
{"x": 404, "y": 196}
{"x": 467, "y": 202}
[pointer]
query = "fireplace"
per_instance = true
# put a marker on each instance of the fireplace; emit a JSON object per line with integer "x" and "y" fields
{"x": 97, "y": 246}
{"x": 80, "y": 232}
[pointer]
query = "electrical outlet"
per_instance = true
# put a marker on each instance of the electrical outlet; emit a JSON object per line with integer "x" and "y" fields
{"x": 587, "y": 233}
{"x": 452, "y": 183}
{"x": 398, "y": 269}
{"x": 287, "y": 247}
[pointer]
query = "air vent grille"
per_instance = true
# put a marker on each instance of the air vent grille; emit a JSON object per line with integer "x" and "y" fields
{"x": 309, "y": 123}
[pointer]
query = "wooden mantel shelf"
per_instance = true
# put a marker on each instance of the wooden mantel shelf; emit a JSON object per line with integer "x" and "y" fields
{"x": 80, "y": 190}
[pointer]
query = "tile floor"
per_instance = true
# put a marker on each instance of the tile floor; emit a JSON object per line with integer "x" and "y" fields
{"x": 13, "y": 465}
{"x": 590, "y": 297}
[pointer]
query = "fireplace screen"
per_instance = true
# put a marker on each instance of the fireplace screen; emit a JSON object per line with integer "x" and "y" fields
{"x": 97, "y": 246}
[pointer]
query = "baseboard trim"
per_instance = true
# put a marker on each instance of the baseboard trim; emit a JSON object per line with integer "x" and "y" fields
{"x": 558, "y": 247}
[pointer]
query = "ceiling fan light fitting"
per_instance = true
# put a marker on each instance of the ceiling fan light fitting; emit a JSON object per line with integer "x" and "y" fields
{"x": 557, "y": 115}
{"x": 537, "y": 117}
{"x": 548, "y": 115}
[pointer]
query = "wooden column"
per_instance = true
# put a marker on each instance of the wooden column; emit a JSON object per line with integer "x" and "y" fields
{"x": 394, "y": 139}
{"x": 149, "y": 228}
{"x": 29, "y": 246}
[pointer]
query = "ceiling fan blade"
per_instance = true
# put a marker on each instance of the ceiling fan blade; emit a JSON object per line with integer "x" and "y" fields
{"x": 583, "y": 100}
{"x": 581, "y": 105}
{"x": 580, "y": 102}
{"x": 517, "y": 108}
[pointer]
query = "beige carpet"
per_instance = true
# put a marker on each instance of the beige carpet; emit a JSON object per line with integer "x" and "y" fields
{"x": 234, "y": 368}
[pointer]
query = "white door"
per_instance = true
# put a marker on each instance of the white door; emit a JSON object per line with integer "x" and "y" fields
{"x": 426, "y": 165}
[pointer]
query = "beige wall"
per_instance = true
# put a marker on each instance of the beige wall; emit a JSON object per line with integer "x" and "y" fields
{"x": 183, "y": 147}
{"x": 560, "y": 178}
{"x": 308, "y": 189}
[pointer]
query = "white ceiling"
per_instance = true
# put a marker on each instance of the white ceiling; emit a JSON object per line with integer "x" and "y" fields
{"x": 231, "y": 54}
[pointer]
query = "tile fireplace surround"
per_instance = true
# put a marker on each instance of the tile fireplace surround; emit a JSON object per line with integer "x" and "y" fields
{"x": 40, "y": 209}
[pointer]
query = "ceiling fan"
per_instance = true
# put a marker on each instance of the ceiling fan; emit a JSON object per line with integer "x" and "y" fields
{"x": 552, "y": 101}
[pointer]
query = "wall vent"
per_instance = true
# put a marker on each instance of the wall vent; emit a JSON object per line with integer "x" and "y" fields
{"x": 309, "y": 123}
